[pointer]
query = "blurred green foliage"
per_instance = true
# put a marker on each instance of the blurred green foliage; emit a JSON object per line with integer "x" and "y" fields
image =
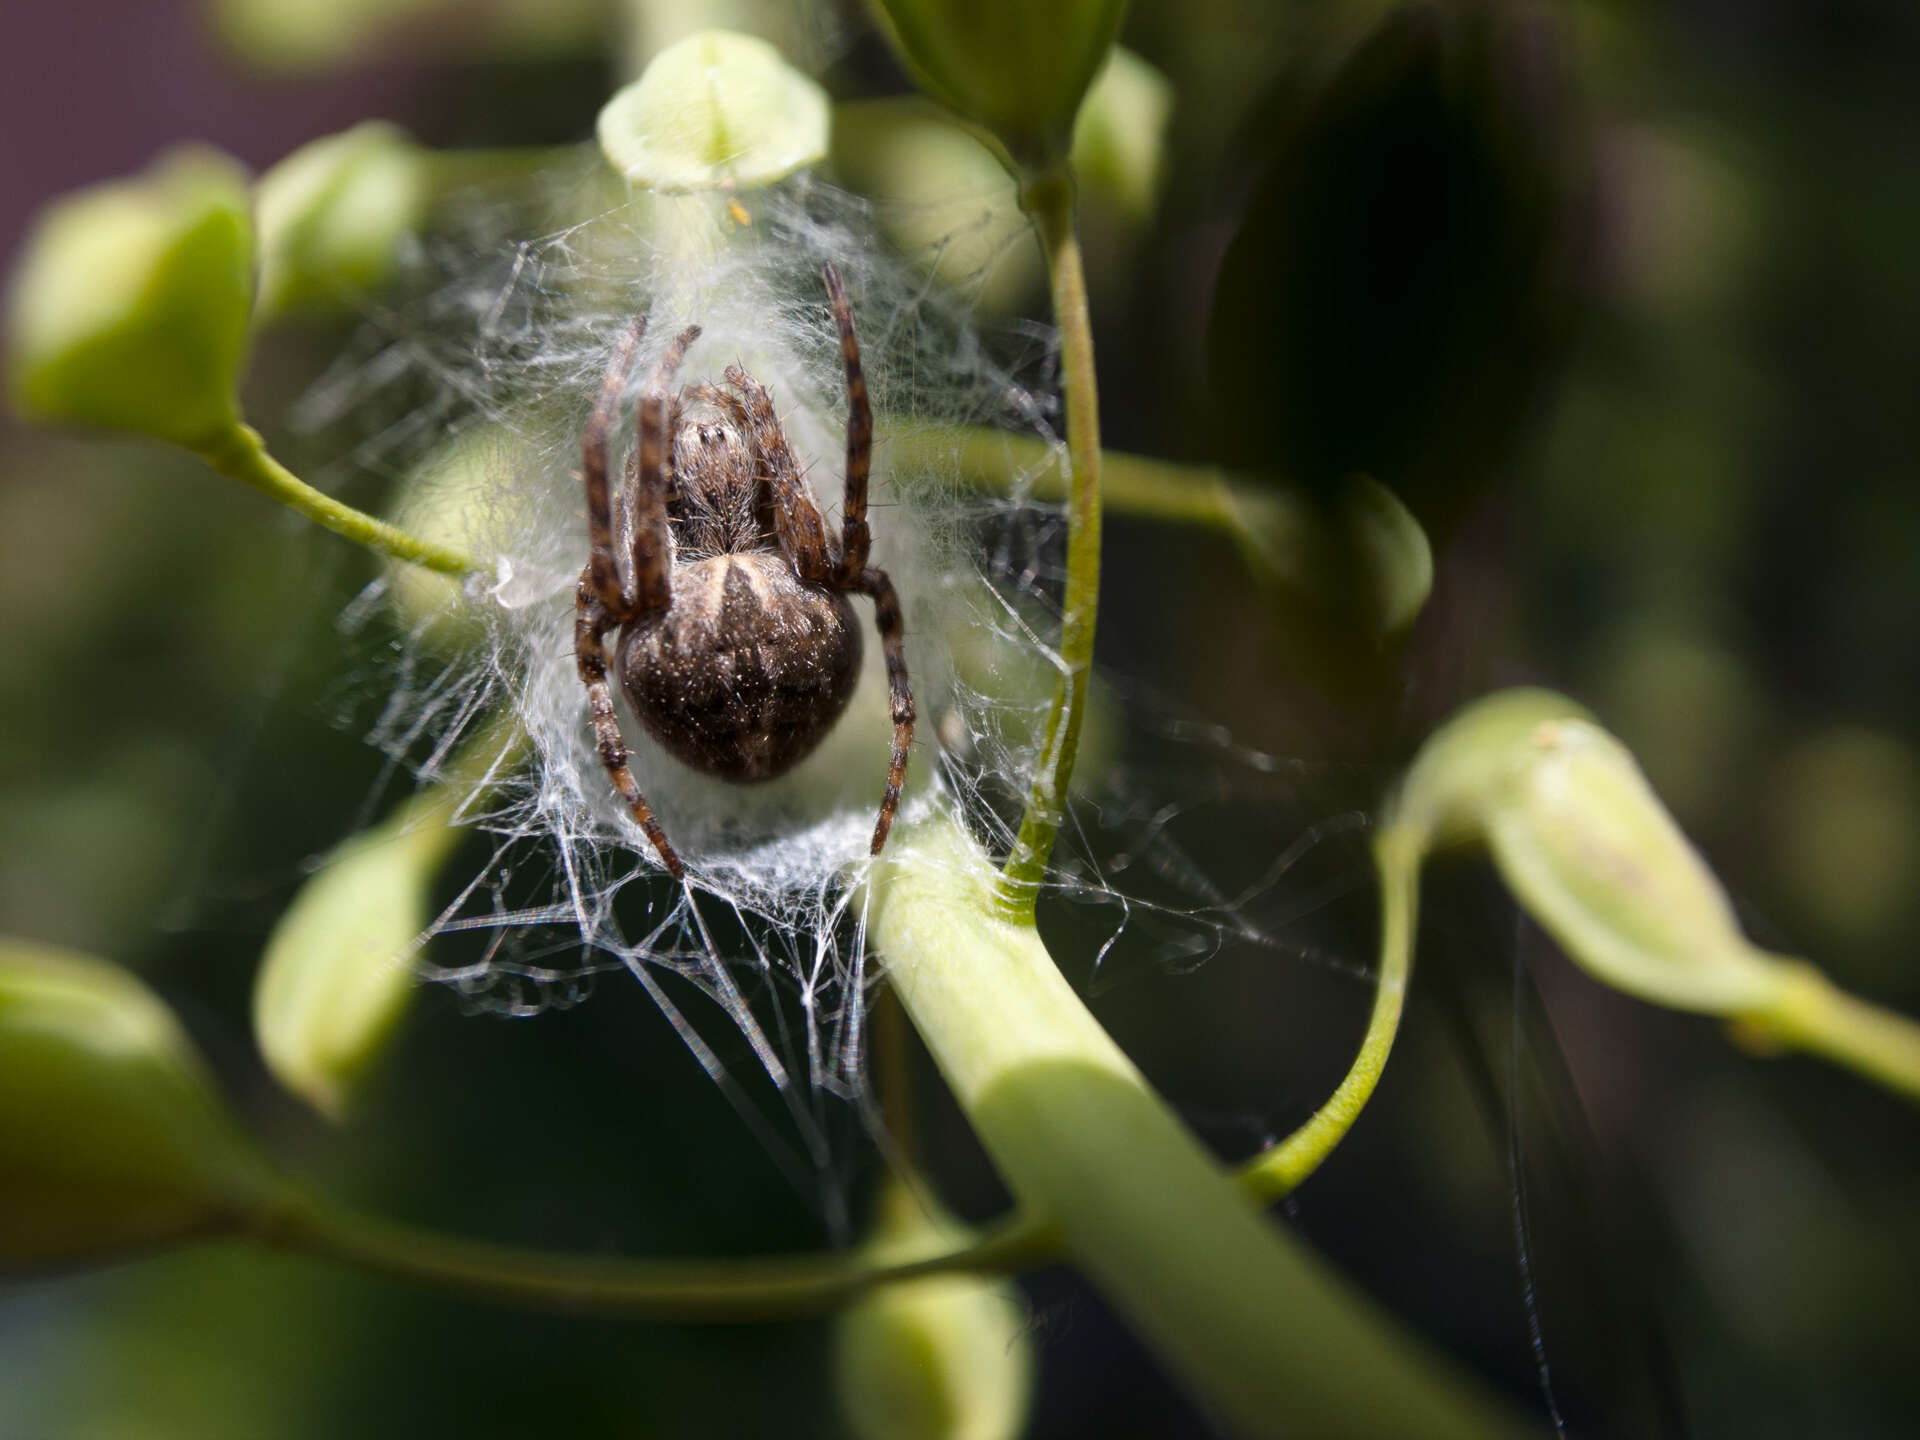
{"x": 1654, "y": 380}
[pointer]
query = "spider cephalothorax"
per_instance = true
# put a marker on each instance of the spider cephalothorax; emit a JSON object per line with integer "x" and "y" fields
{"x": 739, "y": 649}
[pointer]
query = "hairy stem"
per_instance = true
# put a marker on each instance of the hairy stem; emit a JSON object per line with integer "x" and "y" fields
{"x": 1049, "y": 201}
{"x": 240, "y": 454}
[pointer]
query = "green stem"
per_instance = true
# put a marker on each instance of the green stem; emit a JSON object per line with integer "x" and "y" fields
{"x": 1815, "y": 1015}
{"x": 1252, "y": 1319}
{"x": 735, "y": 1290}
{"x": 1049, "y": 201}
{"x": 1288, "y": 541}
{"x": 749, "y": 1288}
{"x": 240, "y": 454}
{"x": 988, "y": 460}
{"x": 1279, "y": 1170}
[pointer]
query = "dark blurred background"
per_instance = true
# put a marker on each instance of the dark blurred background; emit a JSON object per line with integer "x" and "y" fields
{"x": 1620, "y": 298}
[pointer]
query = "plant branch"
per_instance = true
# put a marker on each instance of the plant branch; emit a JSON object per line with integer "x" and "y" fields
{"x": 240, "y": 454}
{"x": 1049, "y": 201}
{"x": 748, "y": 1288}
{"x": 764, "y": 1288}
{"x": 1288, "y": 541}
{"x": 1279, "y": 1169}
{"x": 1254, "y": 1321}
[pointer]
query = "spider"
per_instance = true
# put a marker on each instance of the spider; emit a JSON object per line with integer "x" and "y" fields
{"x": 737, "y": 649}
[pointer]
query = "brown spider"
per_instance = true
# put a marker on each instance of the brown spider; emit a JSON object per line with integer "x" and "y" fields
{"x": 739, "y": 650}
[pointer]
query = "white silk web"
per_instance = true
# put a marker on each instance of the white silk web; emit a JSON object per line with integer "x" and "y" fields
{"x": 474, "y": 391}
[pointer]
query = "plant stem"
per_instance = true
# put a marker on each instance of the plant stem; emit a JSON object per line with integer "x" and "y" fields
{"x": 1815, "y": 1015}
{"x": 987, "y": 460}
{"x": 1049, "y": 200}
{"x": 1288, "y": 541}
{"x": 240, "y": 454}
{"x": 747, "y": 1288}
{"x": 1276, "y": 1172}
{"x": 1255, "y": 1322}
{"x": 754, "y": 1289}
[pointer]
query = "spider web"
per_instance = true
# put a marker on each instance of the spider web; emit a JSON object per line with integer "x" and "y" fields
{"x": 472, "y": 391}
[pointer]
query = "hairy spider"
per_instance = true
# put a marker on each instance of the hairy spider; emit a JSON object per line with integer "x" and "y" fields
{"x": 739, "y": 650}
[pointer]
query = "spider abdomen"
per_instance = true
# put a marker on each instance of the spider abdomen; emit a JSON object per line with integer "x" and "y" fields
{"x": 746, "y": 671}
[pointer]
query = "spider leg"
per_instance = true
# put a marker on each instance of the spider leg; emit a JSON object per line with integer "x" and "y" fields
{"x": 603, "y": 566}
{"x": 893, "y": 641}
{"x": 629, "y": 499}
{"x": 855, "y": 539}
{"x": 650, "y": 557}
{"x": 796, "y": 514}
{"x": 590, "y": 625}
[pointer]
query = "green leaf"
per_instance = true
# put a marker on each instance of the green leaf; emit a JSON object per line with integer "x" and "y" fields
{"x": 129, "y": 309}
{"x": 715, "y": 111}
{"x": 112, "y": 1134}
{"x": 332, "y": 217}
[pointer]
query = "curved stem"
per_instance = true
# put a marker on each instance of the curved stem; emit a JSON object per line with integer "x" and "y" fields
{"x": 733, "y": 1289}
{"x": 1281, "y": 1168}
{"x": 240, "y": 454}
{"x": 1049, "y": 201}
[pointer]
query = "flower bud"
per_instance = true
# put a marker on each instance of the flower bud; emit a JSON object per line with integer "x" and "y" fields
{"x": 337, "y": 973}
{"x": 1120, "y": 139}
{"x": 1468, "y": 764}
{"x": 1016, "y": 68}
{"x": 1588, "y": 848}
{"x": 944, "y": 1358}
{"x": 716, "y": 110}
{"x": 129, "y": 309}
{"x": 332, "y": 217}
{"x": 111, "y": 1132}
